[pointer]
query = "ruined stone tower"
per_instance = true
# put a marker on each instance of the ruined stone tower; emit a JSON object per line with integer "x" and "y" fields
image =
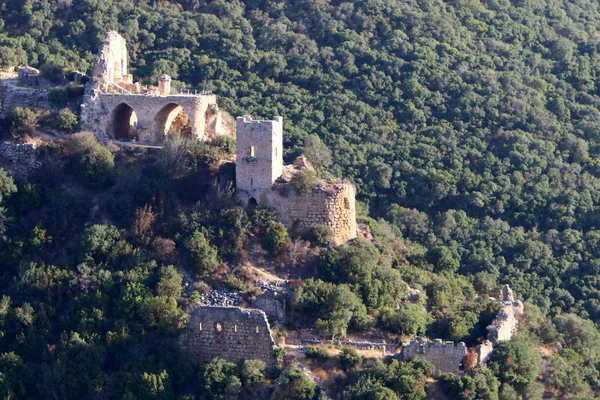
{"x": 259, "y": 147}
{"x": 262, "y": 179}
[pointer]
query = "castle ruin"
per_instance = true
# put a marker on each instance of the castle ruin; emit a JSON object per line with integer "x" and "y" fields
{"x": 231, "y": 333}
{"x": 114, "y": 107}
{"x": 446, "y": 357}
{"x": 262, "y": 179}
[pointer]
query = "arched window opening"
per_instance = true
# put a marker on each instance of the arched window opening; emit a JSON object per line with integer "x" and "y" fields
{"x": 123, "y": 123}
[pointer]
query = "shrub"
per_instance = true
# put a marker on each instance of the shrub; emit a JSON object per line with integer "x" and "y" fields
{"x": 252, "y": 372}
{"x": 92, "y": 163}
{"x": 319, "y": 234}
{"x": 316, "y": 353}
{"x": 66, "y": 120}
{"x": 275, "y": 237}
{"x": 303, "y": 181}
{"x": 202, "y": 256}
{"x": 22, "y": 121}
{"x": 74, "y": 90}
{"x": 225, "y": 143}
{"x": 349, "y": 358}
{"x": 58, "y": 97}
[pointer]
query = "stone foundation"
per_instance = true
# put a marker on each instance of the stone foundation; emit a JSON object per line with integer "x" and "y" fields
{"x": 447, "y": 357}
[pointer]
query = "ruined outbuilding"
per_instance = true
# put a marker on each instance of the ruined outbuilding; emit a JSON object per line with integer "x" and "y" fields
{"x": 115, "y": 107}
{"x": 446, "y": 357}
{"x": 262, "y": 179}
{"x": 231, "y": 333}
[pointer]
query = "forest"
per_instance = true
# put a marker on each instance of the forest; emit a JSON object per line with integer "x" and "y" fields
{"x": 470, "y": 128}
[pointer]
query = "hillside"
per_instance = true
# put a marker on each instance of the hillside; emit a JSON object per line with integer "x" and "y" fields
{"x": 470, "y": 128}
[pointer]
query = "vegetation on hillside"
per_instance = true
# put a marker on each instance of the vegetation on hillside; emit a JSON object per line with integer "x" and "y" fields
{"x": 469, "y": 127}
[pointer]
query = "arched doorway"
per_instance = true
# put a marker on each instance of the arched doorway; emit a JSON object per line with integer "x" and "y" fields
{"x": 172, "y": 118}
{"x": 123, "y": 123}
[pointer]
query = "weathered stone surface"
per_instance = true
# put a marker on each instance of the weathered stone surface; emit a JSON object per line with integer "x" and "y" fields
{"x": 259, "y": 165}
{"x": 115, "y": 108}
{"x": 231, "y": 333}
{"x": 506, "y": 323}
{"x": 447, "y": 357}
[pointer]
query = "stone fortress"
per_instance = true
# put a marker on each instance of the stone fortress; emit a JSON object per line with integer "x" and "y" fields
{"x": 114, "y": 107}
{"x": 262, "y": 179}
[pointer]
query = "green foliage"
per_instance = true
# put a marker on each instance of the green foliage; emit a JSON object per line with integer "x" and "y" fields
{"x": 303, "y": 181}
{"x": 349, "y": 358}
{"x": 296, "y": 386}
{"x": 252, "y": 372}
{"x": 22, "y": 121}
{"x": 319, "y": 234}
{"x": 410, "y": 319}
{"x": 58, "y": 97}
{"x": 316, "y": 353}
{"x": 92, "y": 162}
{"x": 219, "y": 380}
{"x": 275, "y": 237}
{"x": 203, "y": 259}
{"x": 66, "y": 120}
{"x": 224, "y": 143}
{"x": 515, "y": 362}
{"x": 479, "y": 384}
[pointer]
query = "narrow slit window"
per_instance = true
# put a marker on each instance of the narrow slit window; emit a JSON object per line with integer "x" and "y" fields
{"x": 251, "y": 181}
{"x": 346, "y": 203}
{"x": 251, "y": 151}
{"x": 200, "y": 326}
{"x": 257, "y": 330}
{"x": 275, "y": 151}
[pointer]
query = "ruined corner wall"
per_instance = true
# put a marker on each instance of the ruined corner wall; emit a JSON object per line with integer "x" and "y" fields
{"x": 506, "y": 322}
{"x": 111, "y": 62}
{"x": 231, "y": 333}
{"x": 446, "y": 357}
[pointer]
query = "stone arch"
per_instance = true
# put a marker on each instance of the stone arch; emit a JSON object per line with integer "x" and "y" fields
{"x": 123, "y": 123}
{"x": 252, "y": 203}
{"x": 172, "y": 117}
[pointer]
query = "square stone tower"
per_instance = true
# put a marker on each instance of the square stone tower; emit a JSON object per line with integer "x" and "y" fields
{"x": 259, "y": 151}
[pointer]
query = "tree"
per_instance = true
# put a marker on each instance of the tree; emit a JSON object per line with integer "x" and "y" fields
{"x": 23, "y": 121}
{"x": 349, "y": 358}
{"x": 202, "y": 256}
{"x": 219, "y": 380}
{"x": 317, "y": 153}
{"x": 410, "y": 319}
{"x": 303, "y": 181}
{"x": 515, "y": 362}
{"x": 92, "y": 162}
{"x": 66, "y": 120}
{"x": 296, "y": 386}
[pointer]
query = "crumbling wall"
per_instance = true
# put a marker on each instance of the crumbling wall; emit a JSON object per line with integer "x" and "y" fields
{"x": 22, "y": 157}
{"x": 16, "y": 96}
{"x": 272, "y": 303}
{"x": 447, "y": 357}
{"x": 111, "y": 62}
{"x": 506, "y": 323}
{"x": 231, "y": 333}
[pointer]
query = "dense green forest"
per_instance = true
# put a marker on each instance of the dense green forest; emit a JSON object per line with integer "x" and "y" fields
{"x": 471, "y": 129}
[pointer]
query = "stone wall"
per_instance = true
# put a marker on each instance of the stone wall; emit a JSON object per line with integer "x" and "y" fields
{"x": 22, "y": 157}
{"x": 272, "y": 303}
{"x": 259, "y": 153}
{"x": 16, "y": 96}
{"x": 231, "y": 333}
{"x": 110, "y": 66}
{"x": 506, "y": 323}
{"x": 329, "y": 204}
{"x": 446, "y": 357}
{"x": 98, "y": 113}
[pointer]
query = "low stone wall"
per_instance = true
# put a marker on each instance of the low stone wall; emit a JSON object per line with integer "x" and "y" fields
{"x": 384, "y": 347}
{"x": 445, "y": 356}
{"x": 231, "y": 333}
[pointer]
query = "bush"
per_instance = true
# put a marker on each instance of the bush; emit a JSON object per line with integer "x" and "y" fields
{"x": 58, "y": 97}
{"x": 225, "y": 143}
{"x": 22, "y": 121}
{"x": 74, "y": 90}
{"x": 316, "y": 353}
{"x": 349, "y": 358}
{"x": 303, "y": 181}
{"x": 66, "y": 120}
{"x": 92, "y": 163}
{"x": 275, "y": 237}
{"x": 202, "y": 256}
{"x": 252, "y": 372}
{"x": 319, "y": 234}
